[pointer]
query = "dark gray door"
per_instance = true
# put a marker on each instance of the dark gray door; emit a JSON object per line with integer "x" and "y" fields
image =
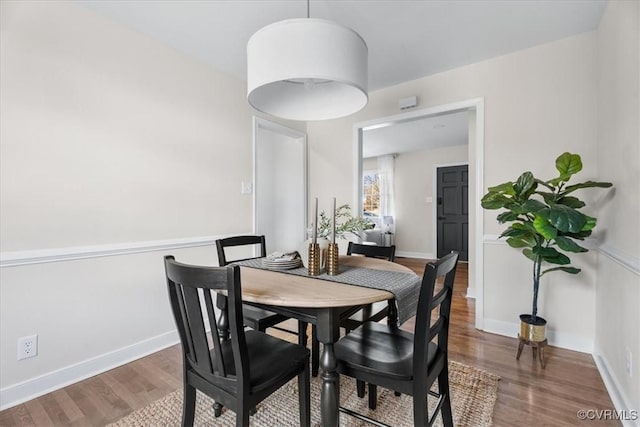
{"x": 453, "y": 211}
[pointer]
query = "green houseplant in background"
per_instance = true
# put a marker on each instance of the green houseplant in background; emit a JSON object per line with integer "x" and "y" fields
{"x": 545, "y": 221}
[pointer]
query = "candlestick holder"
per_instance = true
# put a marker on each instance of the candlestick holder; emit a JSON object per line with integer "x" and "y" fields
{"x": 333, "y": 267}
{"x": 313, "y": 264}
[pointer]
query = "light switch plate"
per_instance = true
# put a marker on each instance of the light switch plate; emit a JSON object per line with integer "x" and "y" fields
{"x": 247, "y": 187}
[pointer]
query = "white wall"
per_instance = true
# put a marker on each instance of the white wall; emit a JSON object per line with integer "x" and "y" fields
{"x": 102, "y": 123}
{"x": 414, "y": 182}
{"x": 539, "y": 102}
{"x": 111, "y": 143}
{"x": 370, "y": 164}
{"x": 618, "y": 285}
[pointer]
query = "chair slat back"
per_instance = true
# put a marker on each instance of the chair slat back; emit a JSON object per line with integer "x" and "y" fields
{"x": 188, "y": 286}
{"x": 426, "y": 330}
{"x": 228, "y": 242}
{"x": 231, "y": 242}
{"x": 215, "y": 336}
{"x": 383, "y": 252}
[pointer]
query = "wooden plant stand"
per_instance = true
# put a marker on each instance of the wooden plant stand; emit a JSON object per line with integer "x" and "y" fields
{"x": 534, "y": 348}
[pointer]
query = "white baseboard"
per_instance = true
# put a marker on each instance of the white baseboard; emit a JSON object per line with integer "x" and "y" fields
{"x": 471, "y": 293}
{"x": 421, "y": 255}
{"x": 34, "y": 387}
{"x": 557, "y": 339}
{"x": 620, "y": 399}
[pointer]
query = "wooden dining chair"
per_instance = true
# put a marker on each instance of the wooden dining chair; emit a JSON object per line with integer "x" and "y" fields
{"x": 256, "y": 318}
{"x": 384, "y": 355}
{"x": 239, "y": 372}
{"x": 382, "y": 252}
{"x": 372, "y": 312}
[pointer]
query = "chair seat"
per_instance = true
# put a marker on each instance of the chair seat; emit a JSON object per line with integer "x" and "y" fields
{"x": 270, "y": 359}
{"x": 382, "y": 350}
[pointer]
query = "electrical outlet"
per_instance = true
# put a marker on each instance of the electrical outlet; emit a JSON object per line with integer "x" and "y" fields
{"x": 27, "y": 347}
{"x": 628, "y": 366}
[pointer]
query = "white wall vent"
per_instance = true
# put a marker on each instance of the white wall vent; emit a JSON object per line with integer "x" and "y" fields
{"x": 406, "y": 103}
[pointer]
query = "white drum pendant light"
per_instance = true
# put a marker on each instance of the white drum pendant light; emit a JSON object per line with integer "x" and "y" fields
{"x": 307, "y": 69}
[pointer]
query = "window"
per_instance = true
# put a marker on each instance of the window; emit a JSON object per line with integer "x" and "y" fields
{"x": 371, "y": 194}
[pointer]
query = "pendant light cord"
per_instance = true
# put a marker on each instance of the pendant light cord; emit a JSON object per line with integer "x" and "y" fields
{"x": 307, "y": 9}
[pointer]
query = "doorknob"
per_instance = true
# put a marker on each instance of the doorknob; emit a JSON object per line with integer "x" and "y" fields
{"x": 442, "y": 217}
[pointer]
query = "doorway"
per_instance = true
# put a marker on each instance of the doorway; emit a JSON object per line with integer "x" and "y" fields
{"x": 475, "y": 108}
{"x": 452, "y": 210}
{"x": 280, "y": 185}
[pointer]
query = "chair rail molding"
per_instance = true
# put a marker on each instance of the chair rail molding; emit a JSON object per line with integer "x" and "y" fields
{"x": 627, "y": 261}
{"x": 494, "y": 239}
{"x": 42, "y": 256}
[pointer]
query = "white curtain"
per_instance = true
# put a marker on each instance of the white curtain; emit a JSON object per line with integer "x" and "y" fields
{"x": 385, "y": 174}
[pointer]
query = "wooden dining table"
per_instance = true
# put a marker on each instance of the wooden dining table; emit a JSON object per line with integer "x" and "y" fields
{"x": 320, "y": 302}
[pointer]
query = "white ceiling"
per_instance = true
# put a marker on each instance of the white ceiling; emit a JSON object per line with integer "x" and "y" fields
{"x": 407, "y": 39}
{"x": 421, "y": 134}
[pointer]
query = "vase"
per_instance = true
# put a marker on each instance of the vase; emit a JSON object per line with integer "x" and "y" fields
{"x": 332, "y": 263}
{"x": 532, "y": 330}
{"x": 313, "y": 260}
{"x": 304, "y": 250}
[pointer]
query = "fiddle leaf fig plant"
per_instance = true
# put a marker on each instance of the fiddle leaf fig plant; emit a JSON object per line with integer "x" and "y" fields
{"x": 544, "y": 218}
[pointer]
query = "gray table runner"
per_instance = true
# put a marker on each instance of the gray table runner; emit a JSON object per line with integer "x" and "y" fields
{"x": 404, "y": 286}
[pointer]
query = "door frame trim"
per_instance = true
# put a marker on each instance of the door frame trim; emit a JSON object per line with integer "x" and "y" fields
{"x": 435, "y": 204}
{"x": 261, "y": 123}
{"x": 476, "y": 157}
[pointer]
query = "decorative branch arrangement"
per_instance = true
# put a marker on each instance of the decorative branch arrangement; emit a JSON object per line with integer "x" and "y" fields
{"x": 345, "y": 223}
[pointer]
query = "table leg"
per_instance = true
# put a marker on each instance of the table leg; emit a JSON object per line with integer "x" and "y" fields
{"x": 330, "y": 394}
{"x": 328, "y": 333}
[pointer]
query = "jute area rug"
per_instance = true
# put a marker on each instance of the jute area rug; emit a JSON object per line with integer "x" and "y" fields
{"x": 473, "y": 396}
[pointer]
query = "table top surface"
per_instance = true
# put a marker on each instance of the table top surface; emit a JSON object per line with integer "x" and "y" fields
{"x": 289, "y": 290}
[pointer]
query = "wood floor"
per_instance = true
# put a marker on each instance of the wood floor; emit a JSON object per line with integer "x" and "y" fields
{"x": 527, "y": 394}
